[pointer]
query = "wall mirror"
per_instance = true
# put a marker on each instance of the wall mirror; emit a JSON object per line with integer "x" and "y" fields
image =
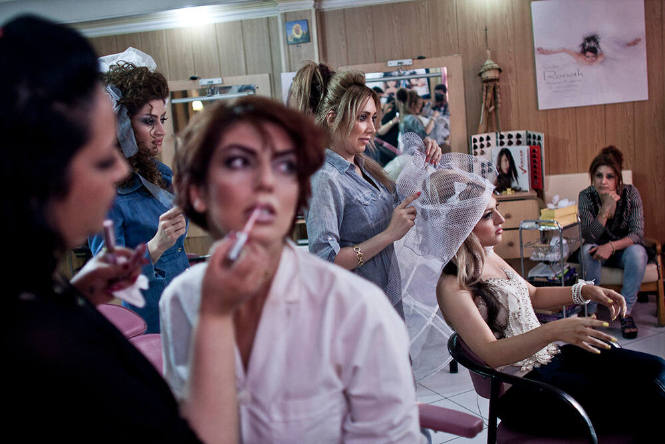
{"x": 423, "y": 76}
{"x": 189, "y": 97}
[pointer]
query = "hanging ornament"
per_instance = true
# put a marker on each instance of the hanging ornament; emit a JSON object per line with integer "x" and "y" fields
{"x": 491, "y": 99}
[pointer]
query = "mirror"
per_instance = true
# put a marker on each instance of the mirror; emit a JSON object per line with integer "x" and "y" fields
{"x": 186, "y": 103}
{"x": 189, "y": 97}
{"x": 431, "y": 84}
{"x": 423, "y": 75}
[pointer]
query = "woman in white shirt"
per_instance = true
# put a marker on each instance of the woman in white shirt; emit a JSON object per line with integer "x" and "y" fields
{"x": 322, "y": 356}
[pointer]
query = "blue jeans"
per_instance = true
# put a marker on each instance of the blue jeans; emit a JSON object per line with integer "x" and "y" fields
{"x": 633, "y": 261}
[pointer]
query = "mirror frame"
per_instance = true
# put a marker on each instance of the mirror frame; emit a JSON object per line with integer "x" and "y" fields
{"x": 197, "y": 240}
{"x": 262, "y": 82}
{"x": 456, "y": 103}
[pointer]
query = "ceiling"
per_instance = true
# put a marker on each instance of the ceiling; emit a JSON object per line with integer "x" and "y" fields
{"x": 77, "y": 11}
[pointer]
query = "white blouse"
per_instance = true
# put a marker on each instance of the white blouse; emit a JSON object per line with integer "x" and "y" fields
{"x": 329, "y": 363}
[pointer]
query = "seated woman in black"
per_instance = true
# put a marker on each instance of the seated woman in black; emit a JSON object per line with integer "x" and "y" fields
{"x": 70, "y": 374}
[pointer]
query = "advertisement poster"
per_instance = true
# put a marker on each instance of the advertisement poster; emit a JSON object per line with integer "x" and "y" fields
{"x": 589, "y": 52}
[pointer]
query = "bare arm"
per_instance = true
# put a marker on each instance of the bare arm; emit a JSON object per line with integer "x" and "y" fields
{"x": 556, "y": 297}
{"x": 463, "y": 315}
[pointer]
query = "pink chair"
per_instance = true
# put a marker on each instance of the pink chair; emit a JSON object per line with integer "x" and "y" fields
{"x": 442, "y": 419}
{"x": 151, "y": 347}
{"x": 125, "y": 320}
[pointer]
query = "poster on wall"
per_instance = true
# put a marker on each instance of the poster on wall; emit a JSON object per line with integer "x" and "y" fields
{"x": 589, "y": 53}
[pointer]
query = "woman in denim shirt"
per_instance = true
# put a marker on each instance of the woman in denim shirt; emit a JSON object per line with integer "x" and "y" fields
{"x": 143, "y": 211}
{"x": 353, "y": 216}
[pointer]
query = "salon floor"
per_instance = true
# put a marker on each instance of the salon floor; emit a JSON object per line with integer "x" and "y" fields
{"x": 455, "y": 391}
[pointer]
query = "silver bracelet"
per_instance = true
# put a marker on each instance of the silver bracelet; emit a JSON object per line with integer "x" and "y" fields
{"x": 576, "y": 291}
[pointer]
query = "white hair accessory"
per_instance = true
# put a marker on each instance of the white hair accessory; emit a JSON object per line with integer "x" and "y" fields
{"x": 454, "y": 196}
{"x": 129, "y": 55}
{"x": 124, "y": 130}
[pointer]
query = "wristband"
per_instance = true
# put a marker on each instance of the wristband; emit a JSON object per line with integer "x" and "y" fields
{"x": 359, "y": 255}
{"x": 613, "y": 249}
{"x": 576, "y": 291}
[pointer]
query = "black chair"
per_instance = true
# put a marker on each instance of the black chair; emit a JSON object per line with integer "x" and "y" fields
{"x": 491, "y": 384}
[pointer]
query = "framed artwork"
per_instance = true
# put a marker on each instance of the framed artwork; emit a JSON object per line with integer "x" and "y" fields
{"x": 589, "y": 53}
{"x": 297, "y": 32}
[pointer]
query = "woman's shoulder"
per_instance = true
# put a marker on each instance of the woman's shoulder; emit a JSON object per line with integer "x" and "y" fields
{"x": 165, "y": 171}
{"x": 186, "y": 287}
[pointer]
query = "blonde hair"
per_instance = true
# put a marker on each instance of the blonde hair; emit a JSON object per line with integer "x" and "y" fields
{"x": 346, "y": 93}
{"x": 309, "y": 87}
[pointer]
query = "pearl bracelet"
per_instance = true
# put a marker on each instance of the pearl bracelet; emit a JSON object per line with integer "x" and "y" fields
{"x": 576, "y": 291}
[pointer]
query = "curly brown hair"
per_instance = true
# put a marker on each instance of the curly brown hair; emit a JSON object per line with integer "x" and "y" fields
{"x": 139, "y": 86}
{"x": 201, "y": 137}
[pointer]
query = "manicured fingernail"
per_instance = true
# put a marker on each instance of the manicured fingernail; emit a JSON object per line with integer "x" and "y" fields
{"x": 605, "y": 324}
{"x": 596, "y": 351}
{"x": 608, "y": 346}
{"x": 419, "y": 193}
{"x": 613, "y": 339}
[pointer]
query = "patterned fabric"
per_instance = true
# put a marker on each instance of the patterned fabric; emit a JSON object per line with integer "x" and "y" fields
{"x": 517, "y": 313}
{"x": 628, "y": 220}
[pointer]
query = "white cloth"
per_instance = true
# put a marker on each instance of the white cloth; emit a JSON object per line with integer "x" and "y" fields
{"x": 329, "y": 363}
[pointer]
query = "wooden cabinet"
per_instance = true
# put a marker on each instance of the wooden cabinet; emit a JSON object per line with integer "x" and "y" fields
{"x": 516, "y": 208}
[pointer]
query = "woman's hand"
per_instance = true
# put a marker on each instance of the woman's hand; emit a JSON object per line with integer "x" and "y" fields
{"x": 403, "y": 218}
{"x": 172, "y": 225}
{"x": 601, "y": 252}
{"x": 609, "y": 298}
{"x": 109, "y": 272}
{"x": 580, "y": 332}
{"x": 608, "y": 203}
{"x": 432, "y": 151}
{"x": 226, "y": 285}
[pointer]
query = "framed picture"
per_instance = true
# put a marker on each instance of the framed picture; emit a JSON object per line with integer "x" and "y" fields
{"x": 589, "y": 53}
{"x": 297, "y": 32}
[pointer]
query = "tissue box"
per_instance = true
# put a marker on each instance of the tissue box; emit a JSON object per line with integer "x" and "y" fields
{"x": 554, "y": 213}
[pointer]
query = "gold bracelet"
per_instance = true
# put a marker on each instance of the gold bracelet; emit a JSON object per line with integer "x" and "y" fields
{"x": 613, "y": 249}
{"x": 359, "y": 255}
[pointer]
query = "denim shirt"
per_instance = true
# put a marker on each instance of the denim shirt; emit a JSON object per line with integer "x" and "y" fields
{"x": 345, "y": 210}
{"x": 135, "y": 214}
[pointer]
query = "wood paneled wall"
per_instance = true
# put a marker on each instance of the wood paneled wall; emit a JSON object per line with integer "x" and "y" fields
{"x": 434, "y": 28}
{"x": 226, "y": 49}
{"x": 573, "y": 135}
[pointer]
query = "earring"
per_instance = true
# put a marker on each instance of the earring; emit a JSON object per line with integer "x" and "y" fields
{"x": 198, "y": 205}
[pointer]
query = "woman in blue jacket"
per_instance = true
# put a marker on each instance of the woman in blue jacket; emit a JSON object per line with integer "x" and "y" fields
{"x": 143, "y": 211}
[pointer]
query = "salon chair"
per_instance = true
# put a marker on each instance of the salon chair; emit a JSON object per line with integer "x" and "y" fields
{"x": 442, "y": 419}
{"x": 491, "y": 384}
{"x": 151, "y": 347}
{"x": 125, "y": 320}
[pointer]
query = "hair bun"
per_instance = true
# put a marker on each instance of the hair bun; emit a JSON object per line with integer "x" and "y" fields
{"x": 402, "y": 95}
{"x": 615, "y": 153}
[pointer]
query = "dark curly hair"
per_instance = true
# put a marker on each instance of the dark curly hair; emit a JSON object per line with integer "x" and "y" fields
{"x": 201, "y": 137}
{"x": 612, "y": 157}
{"x": 139, "y": 86}
{"x": 49, "y": 78}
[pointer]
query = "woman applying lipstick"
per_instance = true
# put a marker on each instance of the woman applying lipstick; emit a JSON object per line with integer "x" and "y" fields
{"x": 354, "y": 217}
{"x": 143, "y": 211}
{"x": 322, "y": 356}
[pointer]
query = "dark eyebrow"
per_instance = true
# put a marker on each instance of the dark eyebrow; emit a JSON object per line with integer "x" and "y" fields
{"x": 253, "y": 152}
